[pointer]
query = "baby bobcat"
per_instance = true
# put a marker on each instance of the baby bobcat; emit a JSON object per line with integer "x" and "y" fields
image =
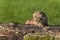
{"x": 39, "y": 19}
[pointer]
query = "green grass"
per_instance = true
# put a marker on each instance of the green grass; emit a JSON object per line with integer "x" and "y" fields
{"x": 21, "y": 10}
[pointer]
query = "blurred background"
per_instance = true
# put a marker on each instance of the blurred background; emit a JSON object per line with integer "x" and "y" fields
{"x": 21, "y": 10}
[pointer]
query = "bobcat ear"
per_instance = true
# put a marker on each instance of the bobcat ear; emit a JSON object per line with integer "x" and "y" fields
{"x": 43, "y": 14}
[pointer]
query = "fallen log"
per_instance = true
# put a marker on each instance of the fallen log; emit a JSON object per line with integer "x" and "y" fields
{"x": 17, "y": 31}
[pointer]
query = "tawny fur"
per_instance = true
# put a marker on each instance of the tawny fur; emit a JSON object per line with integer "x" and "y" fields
{"x": 29, "y": 22}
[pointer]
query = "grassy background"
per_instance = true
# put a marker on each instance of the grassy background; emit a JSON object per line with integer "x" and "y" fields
{"x": 21, "y": 10}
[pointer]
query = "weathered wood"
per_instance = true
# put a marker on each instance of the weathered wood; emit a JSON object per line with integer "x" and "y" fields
{"x": 17, "y": 31}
